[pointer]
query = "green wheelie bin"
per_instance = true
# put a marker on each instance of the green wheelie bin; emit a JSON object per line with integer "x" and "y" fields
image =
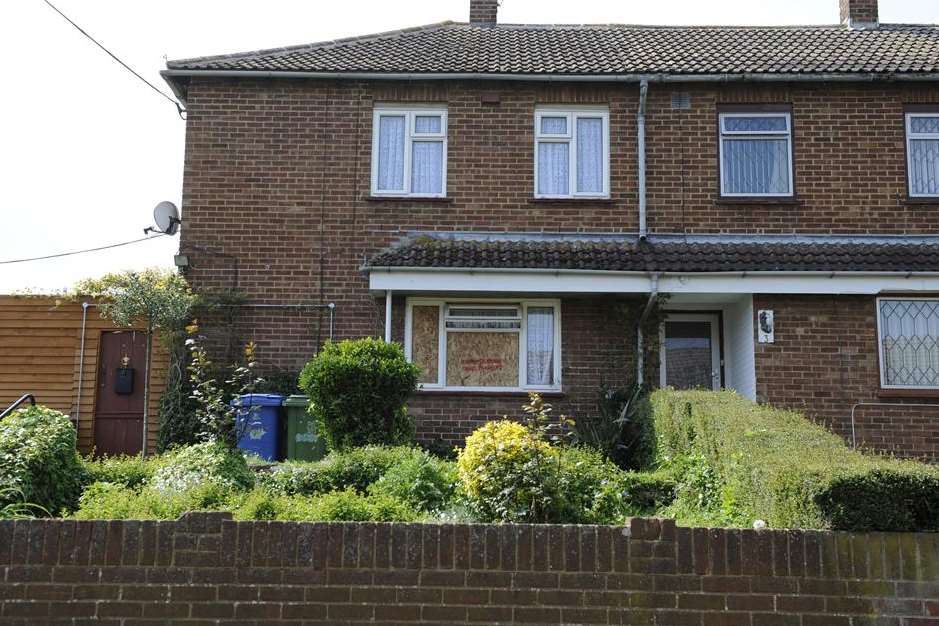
{"x": 303, "y": 442}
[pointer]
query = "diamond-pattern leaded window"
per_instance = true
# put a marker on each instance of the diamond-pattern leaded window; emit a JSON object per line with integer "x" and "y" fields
{"x": 756, "y": 154}
{"x": 909, "y": 342}
{"x": 922, "y": 135}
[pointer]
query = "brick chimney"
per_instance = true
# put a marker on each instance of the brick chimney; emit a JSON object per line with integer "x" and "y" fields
{"x": 859, "y": 13}
{"x": 484, "y": 12}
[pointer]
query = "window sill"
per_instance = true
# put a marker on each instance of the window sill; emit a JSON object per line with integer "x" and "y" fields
{"x": 421, "y": 199}
{"x": 571, "y": 200}
{"x": 908, "y": 393}
{"x": 487, "y": 394}
{"x": 934, "y": 201}
{"x": 757, "y": 200}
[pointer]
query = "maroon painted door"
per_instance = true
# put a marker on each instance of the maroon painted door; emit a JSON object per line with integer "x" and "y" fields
{"x": 119, "y": 402}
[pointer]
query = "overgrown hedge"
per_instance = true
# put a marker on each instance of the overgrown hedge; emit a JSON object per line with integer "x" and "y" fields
{"x": 38, "y": 459}
{"x": 737, "y": 462}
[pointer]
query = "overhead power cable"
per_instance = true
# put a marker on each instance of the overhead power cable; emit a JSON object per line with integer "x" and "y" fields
{"x": 179, "y": 107}
{"x": 74, "y": 252}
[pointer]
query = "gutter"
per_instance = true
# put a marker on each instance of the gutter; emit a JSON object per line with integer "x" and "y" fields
{"x": 174, "y": 76}
{"x": 641, "y": 153}
{"x": 740, "y": 273}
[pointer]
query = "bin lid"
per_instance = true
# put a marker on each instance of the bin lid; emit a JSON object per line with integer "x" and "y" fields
{"x": 297, "y": 401}
{"x": 261, "y": 399}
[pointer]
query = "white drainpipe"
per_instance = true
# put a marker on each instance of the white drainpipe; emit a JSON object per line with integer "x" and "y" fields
{"x": 388, "y": 316}
{"x": 653, "y": 296}
{"x": 641, "y": 154}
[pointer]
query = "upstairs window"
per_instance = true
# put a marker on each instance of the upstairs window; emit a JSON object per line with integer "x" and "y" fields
{"x": 922, "y": 149}
{"x": 909, "y": 342}
{"x": 572, "y": 153}
{"x": 756, "y": 154}
{"x": 485, "y": 345}
{"x": 409, "y": 152}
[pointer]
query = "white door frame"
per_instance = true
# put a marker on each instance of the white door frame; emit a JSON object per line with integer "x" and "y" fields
{"x": 715, "y": 320}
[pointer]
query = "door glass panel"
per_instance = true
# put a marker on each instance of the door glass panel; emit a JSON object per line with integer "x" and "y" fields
{"x": 688, "y": 355}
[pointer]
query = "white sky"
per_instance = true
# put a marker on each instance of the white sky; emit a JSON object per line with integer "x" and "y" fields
{"x": 87, "y": 150}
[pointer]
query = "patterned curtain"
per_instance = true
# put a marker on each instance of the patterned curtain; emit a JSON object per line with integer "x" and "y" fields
{"x": 924, "y": 166}
{"x": 756, "y": 166}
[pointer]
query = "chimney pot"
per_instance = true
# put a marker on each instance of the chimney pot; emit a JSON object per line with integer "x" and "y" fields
{"x": 484, "y": 12}
{"x": 859, "y": 13}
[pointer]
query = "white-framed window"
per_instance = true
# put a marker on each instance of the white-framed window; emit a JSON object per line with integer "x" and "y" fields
{"x": 922, "y": 154}
{"x": 756, "y": 154}
{"x": 485, "y": 345}
{"x": 409, "y": 151}
{"x": 572, "y": 152}
{"x": 908, "y": 338}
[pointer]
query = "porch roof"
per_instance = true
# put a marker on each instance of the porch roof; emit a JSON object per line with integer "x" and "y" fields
{"x": 665, "y": 254}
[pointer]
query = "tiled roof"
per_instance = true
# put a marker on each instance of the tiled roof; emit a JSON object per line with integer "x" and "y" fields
{"x": 452, "y": 47}
{"x": 671, "y": 256}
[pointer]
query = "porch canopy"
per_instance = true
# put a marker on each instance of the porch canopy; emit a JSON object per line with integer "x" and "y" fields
{"x": 588, "y": 263}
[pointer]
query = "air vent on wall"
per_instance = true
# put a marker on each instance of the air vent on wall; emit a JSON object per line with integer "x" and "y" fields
{"x": 681, "y": 101}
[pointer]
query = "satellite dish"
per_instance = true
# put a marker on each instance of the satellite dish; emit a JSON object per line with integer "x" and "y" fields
{"x": 166, "y": 217}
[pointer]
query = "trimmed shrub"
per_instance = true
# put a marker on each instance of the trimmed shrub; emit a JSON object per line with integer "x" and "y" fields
{"x": 647, "y": 493}
{"x": 357, "y": 391}
{"x": 511, "y": 474}
{"x": 204, "y": 463}
{"x": 129, "y": 471}
{"x": 736, "y": 462}
{"x": 422, "y": 481}
{"x": 351, "y": 469}
{"x": 38, "y": 461}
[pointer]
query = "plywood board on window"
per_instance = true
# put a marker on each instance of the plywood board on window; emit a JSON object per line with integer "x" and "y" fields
{"x": 482, "y": 359}
{"x": 425, "y": 344}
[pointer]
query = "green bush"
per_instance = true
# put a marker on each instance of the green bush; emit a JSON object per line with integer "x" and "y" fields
{"x": 618, "y": 429}
{"x": 357, "y": 391}
{"x": 648, "y": 492}
{"x": 104, "y": 500}
{"x": 736, "y": 462}
{"x": 38, "y": 460}
{"x": 130, "y": 471}
{"x": 338, "y": 506}
{"x": 356, "y": 468}
{"x": 422, "y": 481}
{"x": 204, "y": 463}
{"x": 510, "y": 474}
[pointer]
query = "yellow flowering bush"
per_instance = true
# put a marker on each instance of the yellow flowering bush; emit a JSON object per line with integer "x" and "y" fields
{"x": 509, "y": 473}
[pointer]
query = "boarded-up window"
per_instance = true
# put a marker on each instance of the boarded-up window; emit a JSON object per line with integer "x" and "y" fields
{"x": 485, "y": 345}
{"x": 481, "y": 359}
{"x": 425, "y": 341}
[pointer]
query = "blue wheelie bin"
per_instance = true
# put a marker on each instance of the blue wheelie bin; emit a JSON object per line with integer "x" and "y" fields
{"x": 258, "y": 422}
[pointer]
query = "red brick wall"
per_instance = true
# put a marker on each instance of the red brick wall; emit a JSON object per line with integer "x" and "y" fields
{"x": 825, "y": 361}
{"x": 207, "y": 569}
{"x": 863, "y": 11}
{"x": 596, "y": 349}
{"x": 277, "y": 175}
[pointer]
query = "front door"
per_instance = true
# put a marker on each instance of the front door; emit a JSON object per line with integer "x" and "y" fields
{"x": 690, "y": 353}
{"x": 119, "y": 400}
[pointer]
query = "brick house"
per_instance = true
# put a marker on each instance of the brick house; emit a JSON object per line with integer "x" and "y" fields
{"x": 554, "y": 208}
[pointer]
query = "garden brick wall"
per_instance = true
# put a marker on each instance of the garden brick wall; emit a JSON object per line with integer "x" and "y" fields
{"x": 207, "y": 569}
{"x": 824, "y": 362}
